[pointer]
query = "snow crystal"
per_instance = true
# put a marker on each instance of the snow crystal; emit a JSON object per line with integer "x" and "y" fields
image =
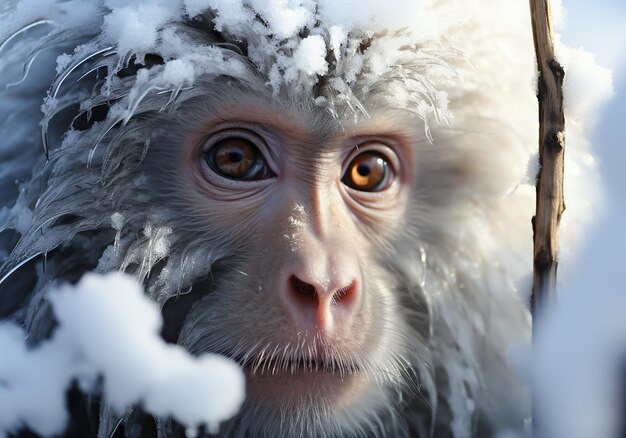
{"x": 532, "y": 169}
{"x": 117, "y": 221}
{"x": 285, "y": 17}
{"x": 310, "y": 56}
{"x": 135, "y": 27}
{"x": 337, "y": 39}
{"x": 108, "y": 328}
{"x": 159, "y": 240}
{"x": 178, "y": 71}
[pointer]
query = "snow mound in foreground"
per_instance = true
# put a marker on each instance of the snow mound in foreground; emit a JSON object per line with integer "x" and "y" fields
{"x": 108, "y": 329}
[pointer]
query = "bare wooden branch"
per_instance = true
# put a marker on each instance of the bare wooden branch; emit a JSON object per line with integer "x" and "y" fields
{"x": 550, "y": 202}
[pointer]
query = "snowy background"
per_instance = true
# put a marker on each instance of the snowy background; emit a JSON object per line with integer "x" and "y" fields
{"x": 598, "y": 27}
{"x": 579, "y": 371}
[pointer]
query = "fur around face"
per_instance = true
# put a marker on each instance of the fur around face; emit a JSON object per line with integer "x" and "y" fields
{"x": 92, "y": 200}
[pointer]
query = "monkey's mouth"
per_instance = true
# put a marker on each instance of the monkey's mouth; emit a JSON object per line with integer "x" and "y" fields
{"x": 283, "y": 383}
{"x": 297, "y": 365}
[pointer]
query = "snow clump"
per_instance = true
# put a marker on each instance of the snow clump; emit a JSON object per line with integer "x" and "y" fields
{"x": 109, "y": 330}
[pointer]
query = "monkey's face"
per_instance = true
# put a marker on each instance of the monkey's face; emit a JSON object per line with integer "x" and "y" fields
{"x": 308, "y": 210}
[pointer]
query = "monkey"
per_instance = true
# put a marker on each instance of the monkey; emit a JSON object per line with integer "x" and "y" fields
{"x": 358, "y": 256}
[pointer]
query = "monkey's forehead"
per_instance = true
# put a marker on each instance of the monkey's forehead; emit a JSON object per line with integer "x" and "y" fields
{"x": 301, "y": 118}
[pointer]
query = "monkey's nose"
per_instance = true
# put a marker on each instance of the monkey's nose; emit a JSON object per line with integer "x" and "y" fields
{"x": 320, "y": 306}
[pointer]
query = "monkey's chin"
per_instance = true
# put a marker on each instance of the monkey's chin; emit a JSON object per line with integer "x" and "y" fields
{"x": 306, "y": 403}
{"x": 304, "y": 388}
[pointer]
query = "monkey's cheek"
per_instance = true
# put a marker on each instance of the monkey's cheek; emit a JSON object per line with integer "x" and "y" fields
{"x": 304, "y": 389}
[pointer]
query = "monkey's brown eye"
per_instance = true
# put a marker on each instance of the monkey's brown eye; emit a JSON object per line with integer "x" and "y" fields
{"x": 237, "y": 158}
{"x": 368, "y": 172}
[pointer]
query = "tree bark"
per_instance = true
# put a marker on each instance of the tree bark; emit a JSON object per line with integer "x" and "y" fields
{"x": 550, "y": 202}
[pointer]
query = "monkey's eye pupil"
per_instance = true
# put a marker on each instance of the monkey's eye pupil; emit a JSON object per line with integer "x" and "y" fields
{"x": 237, "y": 158}
{"x": 368, "y": 172}
{"x": 363, "y": 169}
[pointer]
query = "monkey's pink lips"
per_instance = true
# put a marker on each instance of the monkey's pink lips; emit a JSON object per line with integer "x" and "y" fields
{"x": 276, "y": 381}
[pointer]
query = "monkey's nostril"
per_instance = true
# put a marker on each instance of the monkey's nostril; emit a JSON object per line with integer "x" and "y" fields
{"x": 345, "y": 293}
{"x": 303, "y": 287}
{"x": 318, "y": 307}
